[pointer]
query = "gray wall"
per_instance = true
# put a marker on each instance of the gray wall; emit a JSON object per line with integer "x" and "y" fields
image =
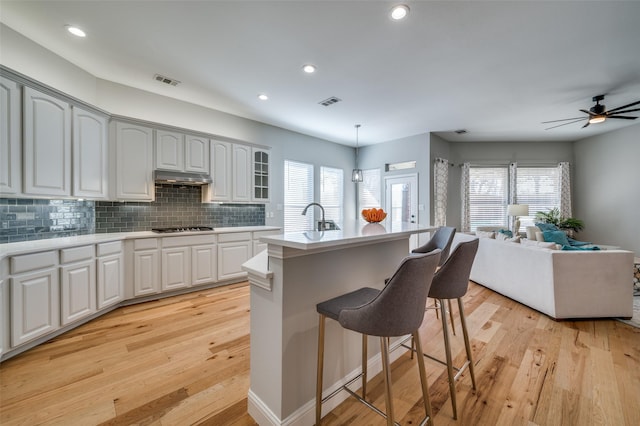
{"x": 607, "y": 187}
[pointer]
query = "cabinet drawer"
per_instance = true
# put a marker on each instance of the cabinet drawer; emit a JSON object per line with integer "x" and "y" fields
{"x": 188, "y": 240}
{"x": 234, "y": 236}
{"x": 258, "y": 234}
{"x": 76, "y": 253}
{"x": 105, "y": 249}
{"x": 31, "y": 262}
{"x": 145, "y": 244}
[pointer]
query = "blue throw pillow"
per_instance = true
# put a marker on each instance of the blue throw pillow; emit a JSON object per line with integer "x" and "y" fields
{"x": 557, "y": 237}
{"x": 571, "y": 248}
{"x": 506, "y": 232}
{"x": 547, "y": 227}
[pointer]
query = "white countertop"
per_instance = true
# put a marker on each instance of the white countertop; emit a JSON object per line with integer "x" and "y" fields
{"x": 351, "y": 233}
{"x": 23, "y": 247}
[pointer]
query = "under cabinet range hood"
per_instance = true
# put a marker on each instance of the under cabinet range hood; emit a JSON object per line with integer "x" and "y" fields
{"x": 180, "y": 178}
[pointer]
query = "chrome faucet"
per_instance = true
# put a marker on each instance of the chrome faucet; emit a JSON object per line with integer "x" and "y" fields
{"x": 321, "y": 225}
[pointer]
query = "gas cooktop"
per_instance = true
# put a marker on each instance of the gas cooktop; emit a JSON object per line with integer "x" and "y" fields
{"x": 182, "y": 229}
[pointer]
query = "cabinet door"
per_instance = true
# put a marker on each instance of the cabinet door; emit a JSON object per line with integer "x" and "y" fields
{"x": 231, "y": 256}
{"x": 4, "y": 320}
{"x": 169, "y": 151}
{"x": 260, "y": 172}
{"x": 77, "y": 291}
{"x": 47, "y": 145}
{"x": 176, "y": 268}
{"x": 241, "y": 173}
{"x": 196, "y": 154}
{"x": 203, "y": 264}
{"x": 35, "y": 302}
{"x": 110, "y": 280}
{"x": 221, "y": 170}
{"x": 89, "y": 154}
{"x": 146, "y": 276}
{"x": 134, "y": 162}
{"x": 10, "y": 142}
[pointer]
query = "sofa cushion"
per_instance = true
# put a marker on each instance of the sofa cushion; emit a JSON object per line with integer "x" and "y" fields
{"x": 504, "y": 237}
{"x": 558, "y": 237}
{"x": 485, "y": 234}
{"x": 531, "y": 232}
{"x": 539, "y": 244}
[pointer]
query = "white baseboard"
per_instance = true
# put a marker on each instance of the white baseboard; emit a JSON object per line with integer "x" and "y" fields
{"x": 306, "y": 415}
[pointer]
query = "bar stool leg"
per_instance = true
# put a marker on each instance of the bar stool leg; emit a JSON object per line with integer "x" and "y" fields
{"x": 364, "y": 366}
{"x": 386, "y": 371}
{"x": 453, "y": 325}
{"x": 320, "y": 370}
{"x": 465, "y": 333}
{"x": 423, "y": 379}
{"x": 447, "y": 349}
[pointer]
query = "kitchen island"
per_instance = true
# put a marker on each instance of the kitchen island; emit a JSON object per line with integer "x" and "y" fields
{"x": 297, "y": 271}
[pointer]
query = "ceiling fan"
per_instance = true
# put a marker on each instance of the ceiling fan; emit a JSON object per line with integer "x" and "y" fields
{"x": 597, "y": 114}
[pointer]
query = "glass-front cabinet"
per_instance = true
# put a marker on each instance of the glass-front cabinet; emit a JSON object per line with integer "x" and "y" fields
{"x": 260, "y": 175}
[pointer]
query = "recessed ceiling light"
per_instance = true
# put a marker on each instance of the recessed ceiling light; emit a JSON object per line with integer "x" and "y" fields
{"x": 76, "y": 31}
{"x": 263, "y": 97}
{"x": 309, "y": 69}
{"x": 399, "y": 12}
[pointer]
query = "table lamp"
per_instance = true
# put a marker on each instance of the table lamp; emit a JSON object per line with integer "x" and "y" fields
{"x": 517, "y": 210}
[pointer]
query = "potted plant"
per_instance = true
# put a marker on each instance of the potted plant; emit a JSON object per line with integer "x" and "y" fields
{"x": 570, "y": 225}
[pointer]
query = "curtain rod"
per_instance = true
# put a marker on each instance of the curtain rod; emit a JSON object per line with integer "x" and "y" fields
{"x": 521, "y": 164}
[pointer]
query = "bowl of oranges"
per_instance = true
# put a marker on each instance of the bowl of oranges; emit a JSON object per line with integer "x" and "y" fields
{"x": 373, "y": 215}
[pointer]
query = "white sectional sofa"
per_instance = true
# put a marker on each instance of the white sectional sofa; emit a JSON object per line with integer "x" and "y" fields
{"x": 561, "y": 284}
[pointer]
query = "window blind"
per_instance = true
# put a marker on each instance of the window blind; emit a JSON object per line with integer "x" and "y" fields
{"x": 539, "y": 187}
{"x": 331, "y": 192}
{"x": 298, "y": 192}
{"x": 488, "y": 196}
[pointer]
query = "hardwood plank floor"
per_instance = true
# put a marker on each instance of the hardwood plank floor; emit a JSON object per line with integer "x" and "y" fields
{"x": 185, "y": 361}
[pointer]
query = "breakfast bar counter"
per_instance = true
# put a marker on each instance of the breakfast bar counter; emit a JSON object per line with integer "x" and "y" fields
{"x": 297, "y": 271}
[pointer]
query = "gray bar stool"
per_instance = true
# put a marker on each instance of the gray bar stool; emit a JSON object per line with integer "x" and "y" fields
{"x": 451, "y": 282}
{"x": 396, "y": 310}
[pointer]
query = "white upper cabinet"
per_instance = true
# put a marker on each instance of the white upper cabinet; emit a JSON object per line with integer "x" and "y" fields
{"x": 169, "y": 151}
{"x": 221, "y": 154}
{"x": 47, "y": 145}
{"x": 196, "y": 154}
{"x": 90, "y": 155}
{"x": 132, "y": 176}
{"x": 241, "y": 173}
{"x": 260, "y": 172}
{"x": 10, "y": 164}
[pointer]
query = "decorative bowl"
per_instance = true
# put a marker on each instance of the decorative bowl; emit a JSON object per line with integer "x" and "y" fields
{"x": 373, "y": 215}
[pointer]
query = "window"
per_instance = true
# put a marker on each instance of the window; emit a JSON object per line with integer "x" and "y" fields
{"x": 369, "y": 190}
{"x": 488, "y": 196}
{"x": 331, "y": 193}
{"x": 539, "y": 187}
{"x": 298, "y": 192}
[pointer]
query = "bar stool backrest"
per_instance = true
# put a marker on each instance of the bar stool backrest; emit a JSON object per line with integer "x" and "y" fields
{"x": 442, "y": 240}
{"x": 399, "y": 308}
{"x": 452, "y": 279}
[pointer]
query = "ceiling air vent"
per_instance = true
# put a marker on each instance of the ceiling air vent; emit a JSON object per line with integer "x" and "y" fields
{"x": 460, "y": 131}
{"x": 166, "y": 80}
{"x": 330, "y": 101}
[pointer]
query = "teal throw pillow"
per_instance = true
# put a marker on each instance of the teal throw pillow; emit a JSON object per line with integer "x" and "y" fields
{"x": 547, "y": 227}
{"x": 506, "y": 232}
{"x": 557, "y": 237}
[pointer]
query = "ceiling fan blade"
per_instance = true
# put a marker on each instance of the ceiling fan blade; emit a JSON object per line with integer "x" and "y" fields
{"x": 564, "y": 124}
{"x": 625, "y": 106}
{"x": 622, "y": 112}
{"x": 620, "y": 116}
{"x": 585, "y": 125}
{"x": 564, "y": 119}
{"x": 588, "y": 112}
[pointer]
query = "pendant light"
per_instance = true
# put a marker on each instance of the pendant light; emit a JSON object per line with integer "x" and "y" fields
{"x": 356, "y": 174}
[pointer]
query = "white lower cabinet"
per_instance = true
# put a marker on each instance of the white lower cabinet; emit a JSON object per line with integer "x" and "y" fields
{"x": 204, "y": 264}
{"x": 233, "y": 250}
{"x": 146, "y": 267}
{"x": 110, "y": 274}
{"x": 176, "y": 268}
{"x": 4, "y": 320}
{"x": 77, "y": 283}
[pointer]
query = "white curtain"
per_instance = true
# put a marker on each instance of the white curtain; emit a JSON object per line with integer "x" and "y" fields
{"x": 565, "y": 189}
{"x": 464, "y": 191}
{"x": 440, "y": 182}
{"x": 513, "y": 182}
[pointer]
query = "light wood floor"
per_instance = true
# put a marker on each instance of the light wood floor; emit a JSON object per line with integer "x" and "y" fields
{"x": 185, "y": 361}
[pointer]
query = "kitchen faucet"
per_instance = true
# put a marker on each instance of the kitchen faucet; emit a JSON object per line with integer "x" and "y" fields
{"x": 321, "y": 225}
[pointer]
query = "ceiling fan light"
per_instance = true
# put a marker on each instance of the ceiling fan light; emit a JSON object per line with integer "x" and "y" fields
{"x": 597, "y": 119}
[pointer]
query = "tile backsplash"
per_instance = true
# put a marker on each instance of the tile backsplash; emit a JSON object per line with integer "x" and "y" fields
{"x": 33, "y": 219}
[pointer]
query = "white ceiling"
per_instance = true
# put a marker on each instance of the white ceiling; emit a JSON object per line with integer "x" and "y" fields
{"x": 497, "y": 69}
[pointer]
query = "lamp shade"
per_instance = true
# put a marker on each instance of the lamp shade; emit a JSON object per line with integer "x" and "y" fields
{"x": 518, "y": 210}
